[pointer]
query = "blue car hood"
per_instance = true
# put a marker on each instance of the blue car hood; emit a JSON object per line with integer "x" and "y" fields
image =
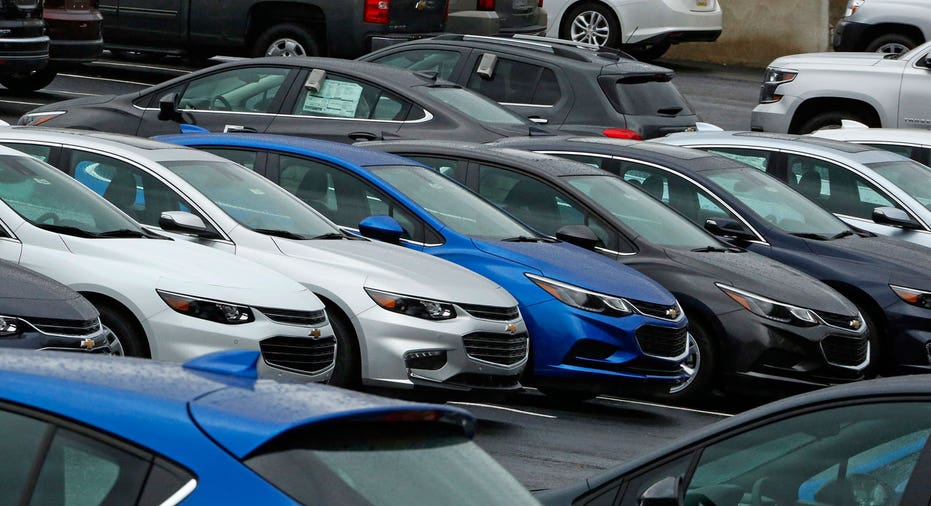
{"x": 576, "y": 266}
{"x": 907, "y": 263}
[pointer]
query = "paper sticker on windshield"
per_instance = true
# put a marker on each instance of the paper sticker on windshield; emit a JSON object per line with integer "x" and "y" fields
{"x": 336, "y": 98}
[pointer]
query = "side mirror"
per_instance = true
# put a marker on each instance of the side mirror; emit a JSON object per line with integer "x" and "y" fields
{"x": 580, "y": 235}
{"x": 894, "y": 217}
{"x": 168, "y": 107}
{"x": 184, "y": 223}
{"x": 665, "y": 492}
{"x": 728, "y": 227}
{"x": 381, "y": 228}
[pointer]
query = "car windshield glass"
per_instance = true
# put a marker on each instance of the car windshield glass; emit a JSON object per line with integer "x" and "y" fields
{"x": 49, "y": 199}
{"x": 648, "y": 217}
{"x": 778, "y": 204}
{"x": 647, "y": 96}
{"x": 252, "y": 200}
{"x": 451, "y": 203}
{"x": 476, "y": 106}
{"x": 386, "y": 464}
{"x": 911, "y": 177}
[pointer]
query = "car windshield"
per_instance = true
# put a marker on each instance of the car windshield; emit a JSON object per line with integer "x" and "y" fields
{"x": 250, "y": 199}
{"x": 451, "y": 203}
{"x": 648, "y": 217}
{"x": 386, "y": 464}
{"x": 910, "y": 176}
{"x": 476, "y": 106}
{"x": 49, "y": 199}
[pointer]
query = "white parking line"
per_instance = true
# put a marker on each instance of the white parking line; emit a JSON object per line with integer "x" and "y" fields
{"x": 105, "y": 79}
{"x": 492, "y": 406}
{"x": 140, "y": 66}
{"x": 678, "y": 408}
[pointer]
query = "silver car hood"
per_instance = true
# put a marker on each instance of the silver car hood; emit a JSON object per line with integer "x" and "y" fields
{"x": 399, "y": 270}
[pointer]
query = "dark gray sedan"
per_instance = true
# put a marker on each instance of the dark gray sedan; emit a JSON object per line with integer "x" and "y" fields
{"x": 324, "y": 98}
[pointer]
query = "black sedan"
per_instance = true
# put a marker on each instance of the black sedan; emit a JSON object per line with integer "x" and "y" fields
{"x": 886, "y": 278}
{"x": 37, "y": 313}
{"x": 859, "y": 444}
{"x": 324, "y": 98}
{"x": 754, "y": 322}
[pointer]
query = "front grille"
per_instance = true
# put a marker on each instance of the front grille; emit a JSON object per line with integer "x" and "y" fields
{"x": 65, "y": 327}
{"x": 662, "y": 341}
{"x": 845, "y": 351}
{"x": 656, "y": 310}
{"x": 842, "y": 321}
{"x": 289, "y": 317}
{"x": 501, "y": 349}
{"x": 302, "y": 354}
{"x": 491, "y": 312}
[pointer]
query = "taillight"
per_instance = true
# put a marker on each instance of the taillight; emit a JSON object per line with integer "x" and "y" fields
{"x": 376, "y": 11}
{"x": 621, "y": 133}
{"x": 486, "y": 5}
{"x": 540, "y": 4}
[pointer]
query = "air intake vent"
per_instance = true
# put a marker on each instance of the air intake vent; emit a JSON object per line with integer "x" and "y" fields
{"x": 504, "y": 349}
{"x": 491, "y": 312}
{"x": 312, "y": 318}
{"x": 301, "y": 354}
{"x": 663, "y": 342}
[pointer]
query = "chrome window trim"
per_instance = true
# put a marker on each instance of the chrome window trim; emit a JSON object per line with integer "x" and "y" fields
{"x": 520, "y": 104}
{"x": 427, "y": 115}
{"x": 181, "y": 493}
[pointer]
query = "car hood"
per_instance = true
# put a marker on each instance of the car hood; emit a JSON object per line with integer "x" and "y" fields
{"x": 906, "y": 263}
{"x": 576, "y": 266}
{"x": 64, "y": 105}
{"x": 191, "y": 269}
{"x": 768, "y": 278}
{"x": 827, "y": 59}
{"x": 28, "y": 294}
{"x": 400, "y": 270}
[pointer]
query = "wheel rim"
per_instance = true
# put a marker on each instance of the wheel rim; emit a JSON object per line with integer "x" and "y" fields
{"x": 590, "y": 27}
{"x": 285, "y": 47}
{"x": 691, "y": 366}
{"x": 893, "y": 48}
{"x": 116, "y": 346}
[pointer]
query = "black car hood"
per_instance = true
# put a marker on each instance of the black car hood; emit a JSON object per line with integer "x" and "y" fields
{"x": 771, "y": 279}
{"x": 75, "y": 102}
{"x": 25, "y": 293}
{"x": 907, "y": 263}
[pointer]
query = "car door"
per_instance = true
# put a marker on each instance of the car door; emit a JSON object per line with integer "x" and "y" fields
{"x": 341, "y": 108}
{"x": 237, "y": 99}
{"x": 142, "y": 23}
{"x": 915, "y": 94}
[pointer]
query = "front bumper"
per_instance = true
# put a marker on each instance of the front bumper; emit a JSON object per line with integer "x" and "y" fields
{"x": 392, "y": 339}
{"x": 96, "y": 342}
{"x": 775, "y": 116}
{"x": 178, "y": 338}
{"x": 848, "y": 36}
{"x": 75, "y": 35}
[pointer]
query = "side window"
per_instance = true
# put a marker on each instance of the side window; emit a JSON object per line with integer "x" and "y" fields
{"x": 537, "y": 204}
{"x": 449, "y": 167}
{"x": 835, "y": 188}
{"x": 37, "y": 151}
{"x": 676, "y": 192}
{"x": 515, "y": 82}
{"x": 20, "y": 447}
{"x": 240, "y": 156}
{"x": 429, "y": 60}
{"x": 135, "y": 192}
{"x": 756, "y": 158}
{"x": 342, "y": 97}
{"x": 342, "y": 197}
{"x": 251, "y": 89}
{"x": 638, "y": 484}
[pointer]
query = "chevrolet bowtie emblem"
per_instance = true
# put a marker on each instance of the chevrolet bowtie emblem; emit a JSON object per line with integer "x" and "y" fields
{"x": 511, "y": 328}
{"x": 315, "y": 333}
{"x": 87, "y": 343}
{"x": 855, "y": 324}
{"x": 420, "y": 5}
{"x": 672, "y": 313}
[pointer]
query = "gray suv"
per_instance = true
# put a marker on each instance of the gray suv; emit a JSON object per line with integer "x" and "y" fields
{"x": 886, "y": 26}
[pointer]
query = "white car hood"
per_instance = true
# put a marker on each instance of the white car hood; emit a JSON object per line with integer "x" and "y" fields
{"x": 195, "y": 270}
{"x": 828, "y": 59}
{"x": 400, "y": 270}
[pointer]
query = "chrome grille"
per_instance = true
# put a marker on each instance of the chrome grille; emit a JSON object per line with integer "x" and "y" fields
{"x": 504, "y": 349}
{"x": 302, "y": 354}
{"x": 491, "y": 312}
{"x": 662, "y": 341}
{"x": 656, "y": 310}
{"x": 65, "y": 327}
{"x": 845, "y": 351}
{"x": 839, "y": 320}
{"x": 313, "y": 318}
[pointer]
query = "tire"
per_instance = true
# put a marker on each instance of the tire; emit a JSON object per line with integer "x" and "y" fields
{"x": 566, "y": 395}
{"x": 286, "y": 39}
{"x": 830, "y": 119}
{"x": 877, "y": 353}
{"x": 347, "y": 372}
{"x": 648, "y": 52}
{"x": 891, "y": 43}
{"x": 29, "y": 81}
{"x": 703, "y": 359}
{"x": 592, "y": 23}
{"x": 126, "y": 331}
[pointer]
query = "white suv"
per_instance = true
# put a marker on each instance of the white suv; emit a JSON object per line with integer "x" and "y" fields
{"x": 644, "y": 29}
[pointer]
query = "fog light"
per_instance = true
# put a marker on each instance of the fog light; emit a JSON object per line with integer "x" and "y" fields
{"x": 430, "y": 360}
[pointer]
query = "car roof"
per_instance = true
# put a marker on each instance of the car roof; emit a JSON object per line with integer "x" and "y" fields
{"x": 236, "y": 410}
{"x": 914, "y": 136}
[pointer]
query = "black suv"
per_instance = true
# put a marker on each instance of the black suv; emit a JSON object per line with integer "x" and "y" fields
{"x": 568, "y": 86}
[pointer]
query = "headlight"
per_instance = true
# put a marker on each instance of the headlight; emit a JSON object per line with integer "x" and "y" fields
{"x": 771, "y": 309}
{"x": 9, "y": 326}
{"x": 583, "y": 299}
{"x": 213, "y": 310}
{"x": 37, "y": 118}
{"x": 852, "y": 7}
{"x": 914, "y": 297}
{"x": 412, "y": 306}
{"x": 772, "y": 78}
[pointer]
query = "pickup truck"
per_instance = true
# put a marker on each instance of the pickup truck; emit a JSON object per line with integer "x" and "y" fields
{"x": 204, "y": 28}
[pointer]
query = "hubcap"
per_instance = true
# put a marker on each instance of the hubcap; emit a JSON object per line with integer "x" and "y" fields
{"x": 690, "y": 366}
{"x": 892, "y": 48}
{"x": 285, "y": 47}
{"x": 590, "y": 27}
{"x": 116, "y": 347}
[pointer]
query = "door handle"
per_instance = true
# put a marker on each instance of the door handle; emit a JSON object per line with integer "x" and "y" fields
{"x": 362, "y": 136}
{"x": 238, "y": 128}
{"x": 538, "y": 120}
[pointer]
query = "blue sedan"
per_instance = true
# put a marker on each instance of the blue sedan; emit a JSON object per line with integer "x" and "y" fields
{"x": 81, "y": 430}
{"x": 595, "y": 325}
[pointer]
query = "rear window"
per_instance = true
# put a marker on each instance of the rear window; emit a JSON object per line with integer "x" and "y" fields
{"x": 647, "y": 96}
{"x": 387, "y": 464}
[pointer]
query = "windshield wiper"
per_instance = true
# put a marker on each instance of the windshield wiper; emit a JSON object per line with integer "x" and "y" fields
{"x": 329, "y": 236}
{"x": 280, "y": 233}
{"x": 123, "y": 232}
{"x": 713, "y": 249}
{"x": 809, "y": 235}
{"x": 845, "y": 233}
{"x": 64, "y": 229}
{"x": 523, "y": 238}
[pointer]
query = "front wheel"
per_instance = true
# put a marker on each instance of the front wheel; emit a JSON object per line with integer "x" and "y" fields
{"x": 830, "y": 119}
{"x": 700, "y": 365}
{"x": 346, "y": 373}
{"x": 125, "y": 332}
{"x": 287, "y": 39}
{"x": 29, "y": 81}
